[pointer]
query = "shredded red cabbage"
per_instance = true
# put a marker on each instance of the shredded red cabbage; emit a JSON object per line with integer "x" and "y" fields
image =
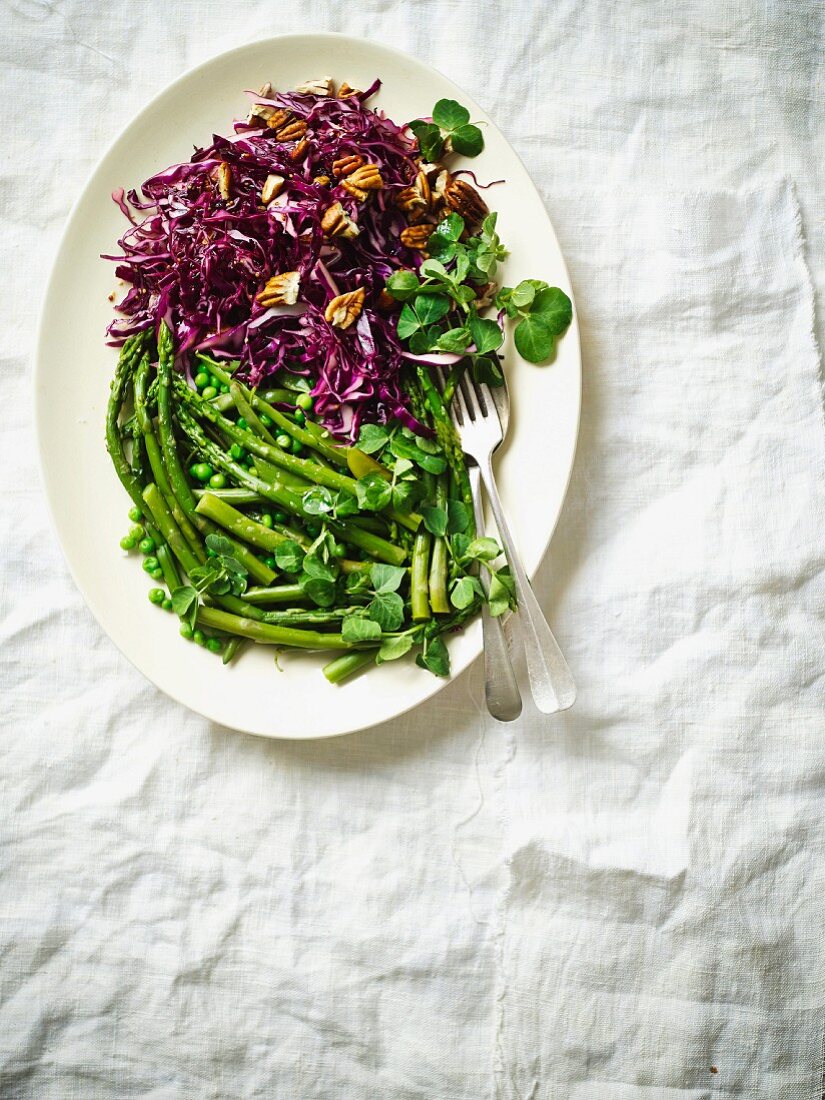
{"x": 198, "y": 260}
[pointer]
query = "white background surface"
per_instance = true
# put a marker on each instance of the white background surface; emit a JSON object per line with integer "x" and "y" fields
{"x": 601, "y": 906}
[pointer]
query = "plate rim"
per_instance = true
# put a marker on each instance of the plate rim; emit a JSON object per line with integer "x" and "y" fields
{"x": 38, "y": 355}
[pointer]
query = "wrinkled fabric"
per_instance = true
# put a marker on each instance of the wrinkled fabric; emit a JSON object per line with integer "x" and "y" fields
{"x": 622, "y": 902}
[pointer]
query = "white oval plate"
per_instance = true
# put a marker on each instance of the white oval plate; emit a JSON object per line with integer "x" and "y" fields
{"x": 88, "y": 503}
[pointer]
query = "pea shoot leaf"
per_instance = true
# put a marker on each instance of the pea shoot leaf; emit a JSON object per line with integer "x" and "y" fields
{"x": 403, "y": 284}
{"x": 372, "y": 438}
{"x": 553, "y": 308}
{"x": 467, "y": 141}
{"x": 316, "y": 568}
{"x": 523, "y": 294}
{"x": 534, "y": 340}
{"x": 464, "y": 592}
{"x": 219, "y": 544}
{"x": 357, "y": 628}
{"x": 386, "y": 609}
{"x": 434, "y": 656}
{"x": 454, "y": 340}
{"x": 289, "y": 556}
{"x": 430, "y": 141}
{"x": 393, "y": 648}
{"x": 486, "y": 334}
{"x": 185, "y": 604}
{"x": 373, "y": 492}
{"x": 320, "y": 590}
{"x": 449, "y": 115}
{"x": 487, "y": 368}
{"x": 430, "y": 308}
{"x": 435, "y": 519}
{"x": 501, "y": 594}
{"x": 483, "y": 549}
{"x": 458, "y": 516}
{"x": 386, "y": 578}
{"x": 408, "y": 322}
{"x": 344, "y": 504}
{"x": 404, "y": 495}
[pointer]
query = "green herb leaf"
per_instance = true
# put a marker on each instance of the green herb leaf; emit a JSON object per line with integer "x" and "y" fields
{"x": 534, "y": 340}
{"x": 464, "y": 592}
{"x": 430, "y": 141}
{"x": 450, "y": 227}
{"x": 372, "y": 438}
{"x": 289, "y": 556}
{"x": 435, "y": 657}
{"x": 356, "y": 628}
{"x": 404, "y": 495}
{"x": 408, "y": 323}
{"x": 553, "y": 308}
{"x": 441, "y": 249}
{"x": 387, "y": 609}
{"x": 449, "y": 115}
{"x": 219, "y": 544}
{"x": 319, "y": 589}
{"x": 344, "y": 504}
{"x": 430, "y": 308}
{"x": 467, "y": 141}
{"x": 454, "y": 340}
{"x": 487, "y": 369}
{"x": 185, "y": 604}
{"x": 314, "y": 566}
{"x": 500, "y": 596}
{"x": 523, "y": 294}
{"x": 435, "y": 519}
{"x": 487, "y": 336}
{"x": 403, "y": 284}
{"x": 393, "y": 648}
{"x": 373, "y": 492}
{"x": 483, "y": 549}
{"x": 458, "y": 516}
{"x": 386, "y": 578}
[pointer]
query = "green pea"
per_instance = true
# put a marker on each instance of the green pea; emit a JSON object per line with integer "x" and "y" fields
{"x": 127, "y": 543}
{"x": 186, "y": 631}
{"x": 135, "y": 514}
{"x": 136, "y": 532}
{"x": 237, "y": 452}
{"x": 208, "y": 392}
{"x": 147, "y": 545}
{"x": 201, "y": 379}
{"x": 300, "y": 417}
{"x": 224, "y": 389}
{"x": 242, "y": 423}
{"x": 201, "y": 471}
{"x": 265, "y": 420}
{"x": 150, "y": 563}
{"x": 266, "y": 519}
{"x": 313, "y": 528}
{"x": 305, "y": 402}
{"x": 214, "y": 645}
{"x": 157, "y": 574}
{"x": 279, "y": 517}
{"x": 156, "y": 595}
{"x": 253, "y": 470}
{"x": 167, "y": 604}
{"x": 297, "y": 447}
{"x": 284, "y": 441}
{"x": 270, "y": 561}
{"x": 217, "y": 481}
{"x": 199, "y": 637}
{"x": 338, "y": 550}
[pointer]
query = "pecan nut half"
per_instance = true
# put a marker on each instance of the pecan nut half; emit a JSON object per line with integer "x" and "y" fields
{"x": 362, "y": 181}
{"x": 280, "y": 290}
{"x": 345, "y": 309}
{"x": 299, "y": 149}
{"x": 416, "y": 236}
{"x": 273, "y": 185}
{"x": 336, "y": 222}
{"x": 344, "y": 165}
{"x": 321, "y": 85}
{"x": 417, "y": 197}
{"x": 277, "y": 117}
{"x": 465, "y": 200}
{"x": 292, "y": 130}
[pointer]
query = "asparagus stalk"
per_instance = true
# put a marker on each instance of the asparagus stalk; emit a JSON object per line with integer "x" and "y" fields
{"x": 268, "y": 633}
{"x": 282, "y": 593}
{"x": 243, "y": 527}
{"x": 169, "y": 529}
{"x": 233, "y": 496}
{"x": 340, "y": 668}
{"x": 419, "y": 589}
{"x": 231, "y": 649}
{"x": 439, "y": 601}
{"x": 168, "y": 567}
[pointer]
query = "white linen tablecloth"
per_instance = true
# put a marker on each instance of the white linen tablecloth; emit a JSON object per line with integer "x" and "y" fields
{"x": 622, "y": 902}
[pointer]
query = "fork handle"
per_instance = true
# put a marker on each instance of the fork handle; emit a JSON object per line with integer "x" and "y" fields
{"x": 550, "y": 680}
{"x": 501, "y": 689}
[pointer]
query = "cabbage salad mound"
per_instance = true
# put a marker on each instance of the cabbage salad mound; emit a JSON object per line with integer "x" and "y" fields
{"x": 301, "y": 300}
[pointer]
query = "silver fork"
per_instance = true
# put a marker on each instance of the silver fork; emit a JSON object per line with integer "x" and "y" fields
{"x": 477, "y": 419}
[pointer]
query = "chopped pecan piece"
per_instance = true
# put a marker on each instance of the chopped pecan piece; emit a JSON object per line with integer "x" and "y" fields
{"x": 344, "y": 165}
{"x": 321, "y": 85}
{"x": 345, "y": 309}
{"x": 416, "y": 236}
{"x": 273, "y": 185}
{"x": 322, "y": 181}
{"x": 224, "y": 178}
{"x": 345, "y": 91}
{"x": 280, "y": 290}
{"x": 417, "y": 197}
{"x": 336, "y": 222}
{"x": 299, "y": 149}
{"x": 465, "y": 200}
{"x": 261, "y": 112}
